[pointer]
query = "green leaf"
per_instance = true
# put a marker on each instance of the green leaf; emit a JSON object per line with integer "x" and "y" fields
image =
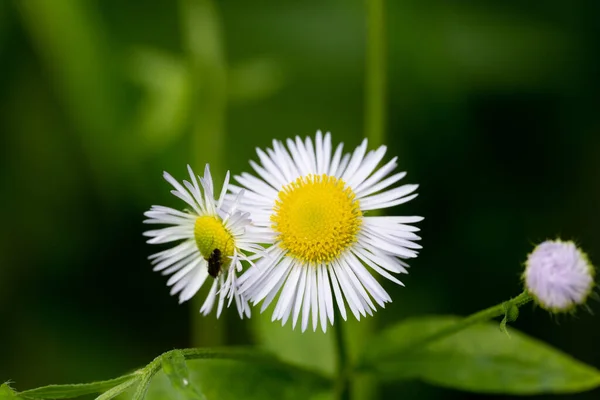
{"x": 6, "y": 393}
{"x": 314, "y": 350}
{"x": 231, "y": 379}
{"x": 75, "y": 390}
{"x": 175, "y": 368}
{"x": 142, "y": 387}
{"x": 479, "y": 359}
{"x": 117, "y": 390}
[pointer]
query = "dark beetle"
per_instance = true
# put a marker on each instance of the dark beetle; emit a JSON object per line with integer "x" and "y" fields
{"x": 215, "y": 263}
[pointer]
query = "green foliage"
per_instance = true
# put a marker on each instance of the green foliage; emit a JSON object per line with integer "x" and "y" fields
{"x": 162, "y": 113}
{"x": 255, "y": 79}
{"x": 117, "y": 390}
{"x": 7, "y": 393}
{"x": 220, "y": 374}
{"x": 231, "y": 379}
{"x": 480, "y": 359}
{"x": 76, "y": 390}
{"x": 176, "y": 369}
{"x": 314, "y": 350}
{"x": 511, "y": 313}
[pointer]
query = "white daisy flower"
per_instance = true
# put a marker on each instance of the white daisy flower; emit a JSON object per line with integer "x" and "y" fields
{"x": 311, "y": 204}
{"x": 558, "y": 275}
{"x": 212, "y": 241}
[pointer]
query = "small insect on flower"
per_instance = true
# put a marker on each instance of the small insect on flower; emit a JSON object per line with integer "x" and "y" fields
{"x": 214, "y": 240}
{"x": 214, "y": 263}
{"x": 558, "y": 275}
{"x": 312, "y": 206}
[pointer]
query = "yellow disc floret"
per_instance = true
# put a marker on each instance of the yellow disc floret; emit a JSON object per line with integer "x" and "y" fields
{"x": 317, "y": 217}
{"x": 210, "y": 234}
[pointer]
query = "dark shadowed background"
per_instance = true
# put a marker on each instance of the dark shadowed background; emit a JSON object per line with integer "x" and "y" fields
{"x": 492, "y": 108}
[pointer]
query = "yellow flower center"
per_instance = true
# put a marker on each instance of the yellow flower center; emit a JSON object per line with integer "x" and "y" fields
{"x": 316, "y": 217}
{"x": 210, "y": 234}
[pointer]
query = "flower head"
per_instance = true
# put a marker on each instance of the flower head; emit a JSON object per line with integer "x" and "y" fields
{"x": 558, "y": 275}
{"x": 212, "y": 238}
{"x": 311, "y": 205}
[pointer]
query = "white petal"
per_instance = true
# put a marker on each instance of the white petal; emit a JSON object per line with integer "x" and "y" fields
{"x": 377, "y": 176}
{"x": 306, "y": 304}
{"x": 335, "y": 162}
{"x": 299, "y": 296}
{"x": 272, "y": 167}
{"x": 195, "y": 284}
{"x": 355, "y": 161}
{"x": 285, "y": 303}
{"x": 368, "y": 165}
{"x": 349, "y": 294}
{"x": 324, "y": 283}
{"x": 337, "y": 292}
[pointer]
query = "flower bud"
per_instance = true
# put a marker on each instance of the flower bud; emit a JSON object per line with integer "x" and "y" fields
{"x": 558, "y": 275}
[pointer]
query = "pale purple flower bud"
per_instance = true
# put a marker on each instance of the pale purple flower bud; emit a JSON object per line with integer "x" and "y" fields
{"x": 558, "y": 275}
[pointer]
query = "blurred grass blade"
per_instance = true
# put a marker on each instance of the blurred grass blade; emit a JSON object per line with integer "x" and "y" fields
{"x": 202, "y": 38}
{"x": 69, "y": 37}
{"x": 75, "y": 390}
{"x": 479, "y": 359}
{"x": 255, "y": 79}
{"x": 203, "y": 44}
{"x": 163, "y": 112}
{"x": 376, "y": 68}
{"x": 175, "y": 368}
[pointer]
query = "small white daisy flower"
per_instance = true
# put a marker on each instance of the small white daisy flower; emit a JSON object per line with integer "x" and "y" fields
{"x": 311, "y": 204}
{"x": 558, "y": 275}
{"x": 212, "y": 240}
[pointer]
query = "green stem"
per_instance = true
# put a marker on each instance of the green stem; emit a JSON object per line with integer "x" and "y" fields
{"x": 251, "y": 356}
{"x": 365, "y": 387}
{"x": 475, "y": 318}
{"x": 375, "y": 105}
{"x": 203, "y": 42}
{"x": 480, "y": 316}
{"x": 343, "y": 365}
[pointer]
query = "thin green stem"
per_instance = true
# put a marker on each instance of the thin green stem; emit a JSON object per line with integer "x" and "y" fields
{"x": 249, "y": 355}
{"x": 475, "y": 318}
{"x": 480, "y": 316}
{"x": 365, "y": 387}
{"x": 143, "y": 376}
{"x": 375, "y": 105}
{"x": 343, "y": 364}
{"x": 202, "y": 36}
{"x": 79, "y": 389}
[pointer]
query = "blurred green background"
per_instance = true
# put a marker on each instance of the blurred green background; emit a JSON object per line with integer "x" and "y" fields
{"x": 492, "y": 109}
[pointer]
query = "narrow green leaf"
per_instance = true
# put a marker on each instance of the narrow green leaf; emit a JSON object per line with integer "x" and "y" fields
{"x": 117, "y": 390}
{"x": 142, "y": 388}
{"x": 75, "y": 390}
{"x": 175, "y": 368}
{"x": 75, "y": 51}
{"x": 479, "y": 359}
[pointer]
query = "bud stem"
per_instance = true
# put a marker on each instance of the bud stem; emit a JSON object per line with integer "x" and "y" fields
{"x": 475, "y": 318}
{"x": 480, "y": 316}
